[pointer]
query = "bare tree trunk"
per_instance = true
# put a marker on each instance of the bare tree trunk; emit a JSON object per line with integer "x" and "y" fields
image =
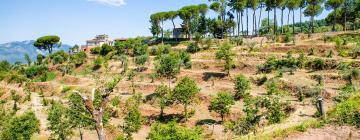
{"x": 238, "y": 22}
{"x": 162, "y": 31}
{"x": 288, "y": 21}
{"x": 293, "y": 22}
{"x": 247, "y": 22}
{"x": 301, "y": 29}
{"x": 254, "y": 21}
{"x": 81, "y": 134}
{"x": 345, "y": 16}
{"x": 334, "y": 20}
{"x": 259, "y": 22}
{"x": 242, "y": 23}
{"x": 282, "y": 21}
{"x": 275, "y": 32}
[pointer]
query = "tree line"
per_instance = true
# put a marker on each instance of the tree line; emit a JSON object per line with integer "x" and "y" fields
{"x": 230, "y": 16}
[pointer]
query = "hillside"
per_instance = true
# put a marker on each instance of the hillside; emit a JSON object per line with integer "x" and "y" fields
{"x": 285, "y": 80}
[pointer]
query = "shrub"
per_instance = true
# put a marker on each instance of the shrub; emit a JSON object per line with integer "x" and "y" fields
{"x": 35, "y": 70}
{"x": 311, "y": 51}
{"x": 221, "y": 104}
{"x": 172, "y": 131}
{"x": 185, "y": 59}
{"x": 330, "y": 55}
{"x": 288, "y": 37}
{"x": 79, "y": 58}
{"x": 238, "y": 41}
{"x": 272, "y": 87}
{"x": 275, "y": 110}
{"x": 242, "y": 87}
{"x": 192, "y": 48}
{"x": 345, "y": 93}
{"x": 105, "y": 49}
{"x": 48, "y": 76}
{"x": 208, "y": 43}
{"x": 347, "y": 112}
{"x": 318, "y": 64}
{"x": 95, "y": 50}
{"x": 98, "y": 62}
{"x": 356, "y": 52}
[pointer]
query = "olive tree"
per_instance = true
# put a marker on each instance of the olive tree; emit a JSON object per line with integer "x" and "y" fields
{"x": 21, "y": 127}
{"x": 242, "y": 85}
{"x": 168, "y": 66}
{"x": 185, "y": 92}
{"x": 163, "y": 96}
{"x": 225, "y": 53}
{"x": 221, "y": 104}
{"x": 59, "y": 124}
{"x": 97, "y": 104}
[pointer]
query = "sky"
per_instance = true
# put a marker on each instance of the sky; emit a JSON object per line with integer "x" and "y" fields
{"x": 76, "y": 21}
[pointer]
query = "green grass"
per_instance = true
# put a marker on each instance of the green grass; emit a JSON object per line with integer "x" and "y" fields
{"x": 281, "y": 133}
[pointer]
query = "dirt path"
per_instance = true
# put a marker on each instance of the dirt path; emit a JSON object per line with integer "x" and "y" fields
{"x": 38, "y": 109}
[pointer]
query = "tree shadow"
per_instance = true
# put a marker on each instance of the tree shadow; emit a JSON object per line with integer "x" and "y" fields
{"x": 208, "y": 75}
{"x": 167, "y": 118}
{"x": 206, "y": 122}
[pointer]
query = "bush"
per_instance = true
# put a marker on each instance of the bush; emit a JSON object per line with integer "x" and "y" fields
{"x": 356, "y": 52}
{"x": 317, "y": 64}
{"x": 105, "y": 49}
{"x": 79, "y": 58}
{"x": 95, "y": 50}
{"x": 193, "y": 48}
{"x": 173, "y": 131}
{"x": 347, "y": 112}
{"x": 238, "y": 41}
{"x": 35, "y": 70}
{"x": 48, "y": 76}
{"x": 288, "y": 37}
{"x": 242, "y": 87}
{"x": 98, "y": 62}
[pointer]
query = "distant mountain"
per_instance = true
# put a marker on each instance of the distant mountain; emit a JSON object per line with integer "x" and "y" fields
{"x": 14, "y": 51}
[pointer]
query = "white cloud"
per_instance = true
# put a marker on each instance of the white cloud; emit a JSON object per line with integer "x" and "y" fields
{"x": 111, "y": 2}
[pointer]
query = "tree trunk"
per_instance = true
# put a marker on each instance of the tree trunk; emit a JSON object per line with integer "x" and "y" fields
{"x": 172, "y": 20}
{"x": 301, "y": 29}
{"x": 81, "y": 134}
{"x": 99, "y": 126}
{"x": 162, "y": 31}
{"x": 282, "y": 21}
{"x": 268, "y": 21}
{"x": 345, "y": 16}
{"x": 259, "y": 22}
{"x": 185, "y": 110}
{"x": 334, "y": 20}
{"x": 312, "y": 24}
{"x": 254, "y": 20}
{"x": 242, "y": 23}
{"x": 238, "y": 22}
{"x": 275, "y": 21}
{"x": 288, "y": 21}
{"x": 293, "y": 22}
{"x": 161, "y": 112}
{"x": 247, "y": 22}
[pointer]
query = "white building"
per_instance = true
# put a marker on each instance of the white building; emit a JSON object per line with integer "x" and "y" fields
{"x": 99, "y": 40}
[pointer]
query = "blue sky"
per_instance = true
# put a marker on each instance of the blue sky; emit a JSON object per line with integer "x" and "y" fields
{"x": 78, "y": 20}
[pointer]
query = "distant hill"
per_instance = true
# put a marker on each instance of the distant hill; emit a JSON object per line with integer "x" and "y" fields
{"x": 14, "y": 51}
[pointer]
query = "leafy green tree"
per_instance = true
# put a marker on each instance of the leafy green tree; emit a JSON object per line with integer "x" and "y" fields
{"x": 225, "y": 53}
{"x": 16, "y": 98}
{"x": 79, "y": 117}
{"x": 275, "y": 113}
{"x": 133, "y": 119}
{"x": 47, "y": 43}
{"x": 313, "y": 9}
{"x": 59, "y": 124}
{"x": 105, "y": 49}
{"x": 163, "y": 96}
{"x": 242, "y": 87}
{"x": 141, "y": 60}
{"x": 155, "y": 25}
{"x": 28, "y": 59}
{"x": 221, "y": 104}
{"x": 21, "y": 127}
{"x": 334, "y": 4}
{"x": 79, "y": 58}
{"x": 185, "y": 92}
{"x": 168, "y": 66}
{"x": 188, "y": 13}
{"x": 172, "y": 131}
